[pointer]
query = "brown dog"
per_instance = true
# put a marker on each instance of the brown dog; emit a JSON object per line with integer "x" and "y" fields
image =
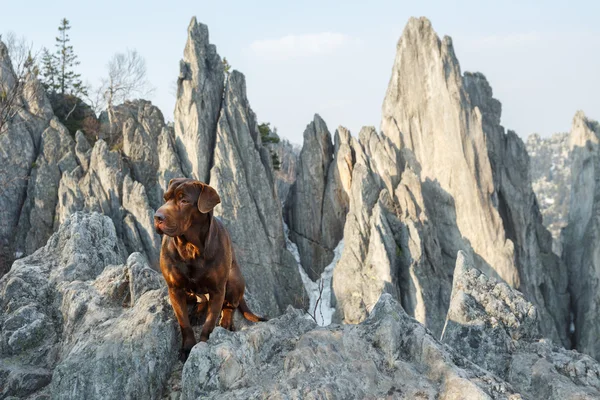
{"x": 197, "y": 258}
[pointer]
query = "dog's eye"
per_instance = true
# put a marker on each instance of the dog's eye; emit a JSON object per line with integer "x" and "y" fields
{"x": 183, "y": 201}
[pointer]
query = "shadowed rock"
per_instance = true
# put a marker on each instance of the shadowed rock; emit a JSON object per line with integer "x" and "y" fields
{"x": 581, "y": 237}
{"x": 496, "y": 328}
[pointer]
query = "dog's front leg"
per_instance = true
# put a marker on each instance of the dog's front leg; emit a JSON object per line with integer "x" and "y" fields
{"x": 215, "y": 304}
{"x": 178, "y": 301}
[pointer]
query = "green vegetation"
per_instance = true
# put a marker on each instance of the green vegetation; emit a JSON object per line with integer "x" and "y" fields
{"x": 267, "y": 137}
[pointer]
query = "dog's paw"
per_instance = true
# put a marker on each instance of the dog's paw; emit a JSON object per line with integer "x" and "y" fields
{"x": 184, "y": 354}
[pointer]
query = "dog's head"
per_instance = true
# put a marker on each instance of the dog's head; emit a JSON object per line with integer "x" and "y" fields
{"x": 186, "y": 200}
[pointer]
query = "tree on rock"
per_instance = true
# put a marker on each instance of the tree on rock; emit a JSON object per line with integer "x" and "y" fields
{"x": 63, "y": 85}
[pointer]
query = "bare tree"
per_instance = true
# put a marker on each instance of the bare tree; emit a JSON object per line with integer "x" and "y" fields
{"x": 17, "y": 61}
{"x": 126, "y": 79}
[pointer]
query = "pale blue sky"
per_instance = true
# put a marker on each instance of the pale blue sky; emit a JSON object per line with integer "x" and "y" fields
{"x": 334, "y": 58}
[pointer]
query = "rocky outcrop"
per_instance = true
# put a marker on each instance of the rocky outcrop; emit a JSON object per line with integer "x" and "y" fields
{"x": 249, "y": 207}
{"x": 580, "y": 238}
{"x": 496, "y": 328}
{"x": 474, "y": 175}
{"x": 389, "y": 355}
{"x": 287, "y": 154}
{"x": 551, "y": 180}
{"x": 38, "y": 219}
{"x": 77, "y": 323}
{"x": 199, "y": 93}
{"x": 107, "y": 187}
{"x": 318, "y": 201}
{"x": 23, "y": 122}
{"x": 390, "y": 244}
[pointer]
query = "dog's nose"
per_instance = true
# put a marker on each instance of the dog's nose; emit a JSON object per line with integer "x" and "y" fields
{"x": 158, "y": 216}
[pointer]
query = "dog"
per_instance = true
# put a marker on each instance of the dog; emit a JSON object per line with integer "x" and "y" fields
{"x": 197, "y": 258}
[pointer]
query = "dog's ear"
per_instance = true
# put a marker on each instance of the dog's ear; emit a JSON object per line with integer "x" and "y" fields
{"x": 208, "y": 199}
{"x": 173, "y": 184}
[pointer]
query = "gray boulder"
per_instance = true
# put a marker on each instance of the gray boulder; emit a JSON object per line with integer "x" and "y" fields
{"x": 581, "y": 237}
{"x": 74, "y": 317}
{"x": 496, "y": 328}
{"x": 389, "y": 355}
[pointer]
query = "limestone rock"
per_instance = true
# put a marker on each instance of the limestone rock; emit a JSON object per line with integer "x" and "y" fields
{"x": 19, "y": 143}
{"x": 388, "y": 355}
{"x": 581, "y": 236}
{"x": 249, "y": 206}
{"x": 450, "y": 122}
{"x": 199, "y": 94}
{"x": 126, "y": 186}
{"x": 73, "y": 317}
{"x": 390, "y": 245}
{"x": 287, "y": 153}
{"x": 83, "y": 150}
{"x": 318, "y": 201}
{"x": 37, "y": 218}
{"x": 551, "y": 180}
{"x": 496, "y": 328}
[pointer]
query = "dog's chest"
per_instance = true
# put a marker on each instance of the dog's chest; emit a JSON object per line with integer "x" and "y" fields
{"x": 194, "y": 276}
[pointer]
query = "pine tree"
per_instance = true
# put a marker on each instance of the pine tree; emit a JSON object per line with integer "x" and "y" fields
{"x": 49, "y": 71}
{"x": 68, "y": 82}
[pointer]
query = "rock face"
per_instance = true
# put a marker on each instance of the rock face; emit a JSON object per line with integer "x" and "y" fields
{"x": 199, "y": 95}
{"x": 20, "y": 140}
{"x": 127, "y": 186}
{"x": 215, "y": 139}
{"x": 581, "y": 236}
{"x": 390, "y": 244}
{"x": 287, "y": 153}
{"x": 77, "y": 321}
{"x": 474, "y": 176}
{"x": 249, "y": 207}
{"x": 496, "y": 328}
{"x": 389, "y": 355}
{"x": 318, "y": 201}
{"x": 551, "y": 180}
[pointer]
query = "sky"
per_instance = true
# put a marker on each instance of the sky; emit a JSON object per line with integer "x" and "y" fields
{"x": 334, "y": 58}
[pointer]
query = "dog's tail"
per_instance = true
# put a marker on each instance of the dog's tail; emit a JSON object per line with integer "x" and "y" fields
{"x": 249, "y": 315}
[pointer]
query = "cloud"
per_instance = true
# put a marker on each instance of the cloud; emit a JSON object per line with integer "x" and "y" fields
{"x": 509, "y": 40}
{"x": 300, "y": 46}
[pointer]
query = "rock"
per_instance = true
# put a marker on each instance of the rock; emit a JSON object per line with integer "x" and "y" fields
{"x": 451, "y": 124}
{"x": 287, "y": 153}
{"x": 249, "y": 207}
{"x": 551, "y": 180}
{"x": 390, "y": 246}
{"x": 20, "y": 140}
{"x": 83, "y": 150}
{"x": 75, "y": 318}
{"x": 142, "y": 124}
{"x": 126, "y": 186}
{"x": 199, "y": 95}
{"x": 496, "y": 328}
{"x": 37, "y": 219}
{"x": 305, "y": 203}
{"x": 318, "y": 201}
{"x": 388, "y": 355}
{"x": 580, "y": 237}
